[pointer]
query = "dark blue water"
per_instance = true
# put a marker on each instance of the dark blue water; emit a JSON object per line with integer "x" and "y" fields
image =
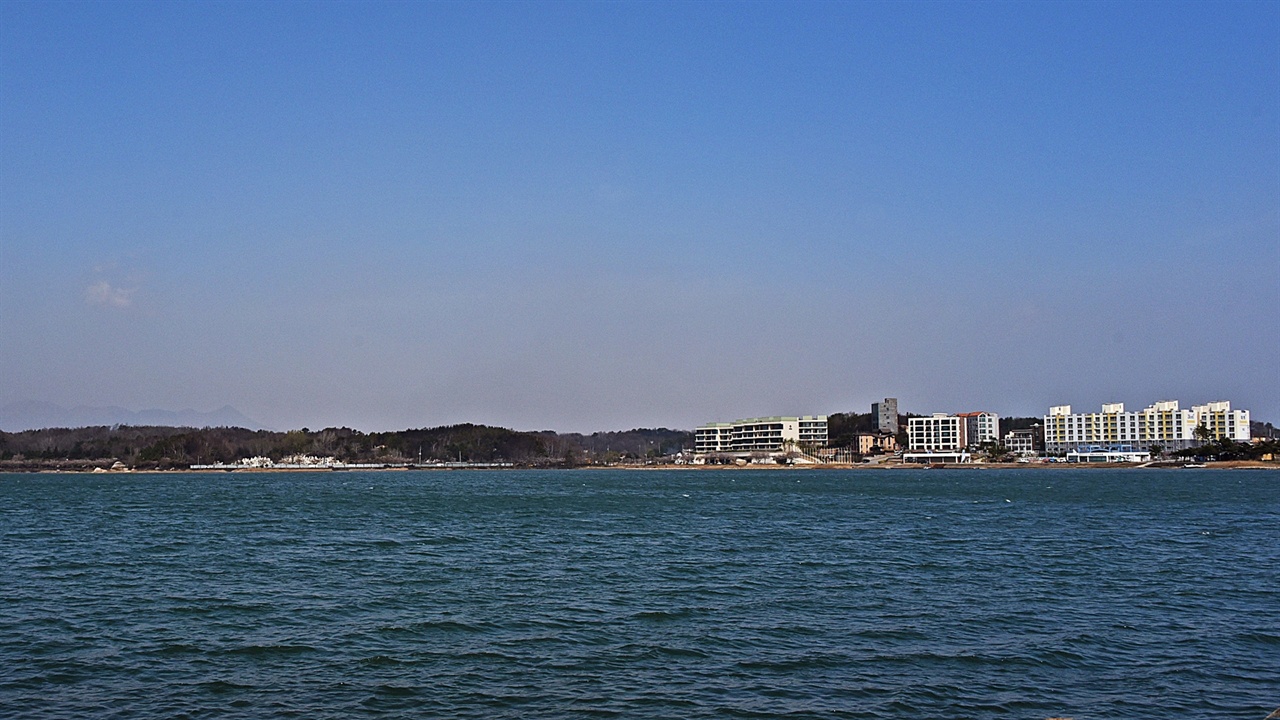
{"x": 867, "y": 594}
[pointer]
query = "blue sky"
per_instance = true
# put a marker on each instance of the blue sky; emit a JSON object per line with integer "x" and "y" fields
{"x": 587, "y": 216}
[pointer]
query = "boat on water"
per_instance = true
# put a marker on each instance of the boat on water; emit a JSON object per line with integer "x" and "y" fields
{"x": 1195, "y": 465}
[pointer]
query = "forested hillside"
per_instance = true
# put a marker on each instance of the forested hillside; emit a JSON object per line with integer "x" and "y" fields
{"x": 162, "y": 447}
{"x": 169, "y": 447}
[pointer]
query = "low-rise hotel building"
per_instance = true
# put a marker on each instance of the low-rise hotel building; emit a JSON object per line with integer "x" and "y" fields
{"x": 767, "y": 434}
{"x": 1025, "y": 442}
{"x": 712, "y": 438}
{"x": 1163, "y": 424}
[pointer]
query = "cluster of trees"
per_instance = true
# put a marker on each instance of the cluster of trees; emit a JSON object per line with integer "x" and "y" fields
{"x": 1225, "y": 448}
{"x": 164, "y": 447}
{"x": 638, "y": 444}
{"x": 842, "y": 428}
{"x": 170, "y": 447}
{"x": 1008, "y": 424}
{"x": 997, "y": 452}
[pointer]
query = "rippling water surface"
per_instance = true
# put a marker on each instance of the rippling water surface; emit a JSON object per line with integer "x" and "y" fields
{"x": 865, "y": 594}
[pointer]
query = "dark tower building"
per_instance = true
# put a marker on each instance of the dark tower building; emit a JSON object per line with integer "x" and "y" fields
{"x": 885, "y": 415}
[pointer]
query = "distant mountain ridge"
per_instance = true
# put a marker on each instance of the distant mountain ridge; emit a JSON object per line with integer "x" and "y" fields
{"x": 35, "y": 415}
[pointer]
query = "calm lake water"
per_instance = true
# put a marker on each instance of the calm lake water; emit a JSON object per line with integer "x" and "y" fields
{"x": 728, "y": 594}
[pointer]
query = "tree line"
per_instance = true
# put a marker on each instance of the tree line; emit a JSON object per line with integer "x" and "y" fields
{"x": 1224, "y": 448}
{"x": 148, "y": 447}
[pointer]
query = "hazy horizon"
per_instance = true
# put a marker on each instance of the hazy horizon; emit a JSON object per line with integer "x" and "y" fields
{"x": 34, "y": 415}
{"x": 591, "y": 217}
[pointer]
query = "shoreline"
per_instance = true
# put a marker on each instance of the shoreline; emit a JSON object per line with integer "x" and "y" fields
{"x": 1213, "y": 465}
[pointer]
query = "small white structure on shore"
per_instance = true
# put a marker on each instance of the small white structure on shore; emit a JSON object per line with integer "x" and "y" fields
{"x": 940, "y": 457}
{"x": 1108, "y": 456}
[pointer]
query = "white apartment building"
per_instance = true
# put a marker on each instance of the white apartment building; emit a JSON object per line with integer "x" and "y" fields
{"x": 938, "y": 433}
{"x": 1220, "y": 420}
{"x": 813, "y": 431}
{"x": 1021, "y": 442}
{"x": 768, "y": 434}
{"x": 948, "y": 433}
{"x": 1163, "y": 424}
{"x": 981, "y": 427}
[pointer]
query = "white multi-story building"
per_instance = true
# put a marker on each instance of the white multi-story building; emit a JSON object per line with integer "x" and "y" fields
{"x": 1022, "y": 442}
{"x": 939, "y": 432}
{"x": 1163, "y": 424}
{"x": 981, "y": 427}
{"x": 712, "y": 438}
{"x": 947, "y": 433}
{"x": 769, "y": 434}
{"x": 1221, "y": 421}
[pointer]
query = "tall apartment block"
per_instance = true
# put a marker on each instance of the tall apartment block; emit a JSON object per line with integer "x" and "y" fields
{"x": 885, "y": 415}
{"x": 1163, "y": 424}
